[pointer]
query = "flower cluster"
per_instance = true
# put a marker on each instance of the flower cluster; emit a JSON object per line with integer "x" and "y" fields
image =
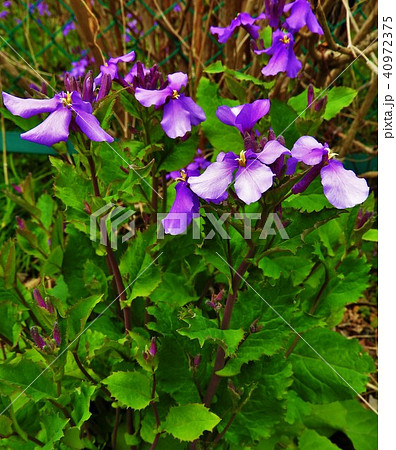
{"x": 281, "y": 50}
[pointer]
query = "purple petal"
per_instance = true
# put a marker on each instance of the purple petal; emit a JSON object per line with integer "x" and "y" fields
{"x": 277, "y": 63}
{"x": 79, "y": 103}
{"x": 291, "y": 165}
{"x": 271, "y": 152}
{"x": 197, "y": 114}
{"x": 251, "y": 181}
{"x": 228, "y": 115}
{"x": 213, "y": 183}
{"x": 251, "y": 113}
{"x": 223, "y": 34}
{"x": 301, "y": 15}
{"x": 55, "y": 128}
{"x": 342, "y": 188}
{"x": 90, "y": 126}
{"x": 177, "y": 80}
{"x": 181, "y": 213}
{"x": 176, "y": 121}
{"x": 308, "y": 150}
{"x": 293, "y": 64}
{"x": 28, "y": 107}
{"x": 125, "y": 58}
{"x": 152, "y": 97}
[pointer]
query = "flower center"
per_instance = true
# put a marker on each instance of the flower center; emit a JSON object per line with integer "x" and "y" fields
{"x": 175, "y": 94}
{"x": 67, "y": 101}
{"x": 242, "y": 159}
{"x": 285, "y": 40}
{"x": 331, "y": 154}
{"x": 183, "y": 176}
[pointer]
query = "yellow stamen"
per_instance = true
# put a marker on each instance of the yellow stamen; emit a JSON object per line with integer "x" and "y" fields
{"x": 285, "y": 40}
{"x": 331, "y": 154}
{"x": 67, "y": 101}
{"x": 242, "y": 159}
{"x": 183, "y": 176}
{"x": 175, "y": 94}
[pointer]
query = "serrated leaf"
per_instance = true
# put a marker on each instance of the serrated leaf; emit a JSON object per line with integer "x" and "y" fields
{"x": 315, "y": 381}
{"x": 311, "y": 440}
{"x": 338, "y": 98}
{"x": 131, "y": 389}
{"x": 188, "y": 422}
{"x": 205, "y": 329}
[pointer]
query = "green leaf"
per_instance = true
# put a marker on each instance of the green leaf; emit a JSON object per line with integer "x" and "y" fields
{"x": 282, "y": 121}
{"x": 104, "y": 112}
{"x": 174, "y": 374}
{"x": 315, "y": 381}
{"x": 178, "y": 153}
{"x": 137, "y": 267}
{"x": 350, "y": 417}
{"x": 338, "y": 98}
{"x": 46, "y": 205}
{"x": 18, "y": 375}
{"x": 221, "y": 136}
{"x": 53, "y": 425}
{"x": 24, "y": 124}
{"x": 79, "y": 313}
{"x": 70, "y": 186}
{"x": 205, "y": 329}
{"x": 131, "y": 389}
{"x": 5, "y": 425}
{"x": 311, "y": 440}
{"x": 282, "y": 264}
{"x": 188, "y": 422}
{"x": 371, "y": 235}
{"x": 81, "y": 403}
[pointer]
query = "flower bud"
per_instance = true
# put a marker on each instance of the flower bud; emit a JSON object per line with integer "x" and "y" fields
{"x": 88, "y": 88}
{"x": 20, "y": 222}
{"x": 105, "y": 86}
{"x": 307, "y": 179}
{"x": 56, "y": 334}
{"x": 38, "y": 340}
{"x": 271, "y": 134}
{"x": 311, "y": 95}
{"x": 39, "y": 299}
{"x": 153, "y": 347}
{"x": 48, "y": 306}
{"x": 321, "y": 104}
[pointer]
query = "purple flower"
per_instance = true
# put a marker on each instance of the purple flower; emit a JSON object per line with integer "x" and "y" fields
{"x": 79, "y": 67}
{"x": 273, "y": 11}
{"x": 39, "y": 299}
{"x": 301, "y": 14}
{"x": 111, "y": 66}
{"x": 41, "y": 7}
{"x": 194, "y": 168}
{"x": 68, "y": 27}
{"x": 243, "y": 117}
{"x": 180, "y": 112}
{"x": 177, "y": 8}
{"x": 283, "y": 57}
{"x": 38, "y": 340}
{"x": 7, "y": 4}
{"x": 3, "y": 14}
{"x": 342, "y": 188}
{"x": 138, "y": 70}
{"x": 253, "y": 177}
{"x": 184, "y": 208}
{"x": 244, "y": 20}
{"x": 63, "y": 108}
{"x": 56, "y": 334}
{"x": 17, "y": 188}
{"x": 153, "y": 347}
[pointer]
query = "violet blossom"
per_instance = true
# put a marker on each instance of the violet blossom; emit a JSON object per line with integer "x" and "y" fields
{"x": 56, "y": 334}
{"x": 300, "y": 15}
{"x": 342, "y": 188}
{"x": 111, "y": 68}
{"x": 64, "y": 109}
{"x": 253, "y": 177}
{"x": 68, "y": 27}
{"x": 184, "y": 208}
{"x": 180, "y": 112}
{"x": 283, "y": 58}
{"x": 244, "y": 20}
{"x": 273, "y": 11}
